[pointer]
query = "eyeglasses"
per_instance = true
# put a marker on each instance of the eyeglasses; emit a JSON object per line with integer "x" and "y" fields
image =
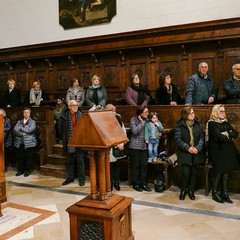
{"x": 73, "y": 106}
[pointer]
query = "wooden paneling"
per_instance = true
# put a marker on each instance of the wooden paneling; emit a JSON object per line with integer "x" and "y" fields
{"x": 115, "y": 57}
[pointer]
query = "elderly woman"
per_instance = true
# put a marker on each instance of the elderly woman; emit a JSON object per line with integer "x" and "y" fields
{"x": 190, "y": 141}
{"x": 222, "y": 152}
{"x": 167, "y": 93}
{"x": 136, "y": 94}
{"x": 96, "y": 93}
{"x": 75, "y": 92}
{"x": 36, "y": 96}
{"x": 25, "y": 141}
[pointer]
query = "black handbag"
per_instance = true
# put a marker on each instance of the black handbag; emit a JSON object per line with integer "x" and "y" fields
{"x": 119, "y": 154}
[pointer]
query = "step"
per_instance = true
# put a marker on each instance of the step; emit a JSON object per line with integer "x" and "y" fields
{"x": 58, "y": 149}
{"x": 56, "y": 159}
{"x": 53, "y": 170}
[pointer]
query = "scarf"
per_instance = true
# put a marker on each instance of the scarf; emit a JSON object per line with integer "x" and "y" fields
{"x": 70, "y": 129}
{"x": 35, "y": 96}
{"x": 212, "y": 120}
{"x": 169, "y": 91}
{"x": 190, "y": 127}
{"x": 141, "y": 93}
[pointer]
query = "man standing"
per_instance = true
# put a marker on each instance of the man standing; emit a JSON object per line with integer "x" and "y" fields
{"x": 200, "y": 87}
{"x": 67, "y": 124}
{"x": 232, "y": 85}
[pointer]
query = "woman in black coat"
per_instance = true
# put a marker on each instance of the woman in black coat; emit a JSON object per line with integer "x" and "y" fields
{"x": 222, "y": 152}
{"x": 167, "y": 93}
{"x": 190, "y": 141}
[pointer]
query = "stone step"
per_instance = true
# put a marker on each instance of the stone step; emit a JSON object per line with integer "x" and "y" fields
{"x": 53, "y": 170}
{"x": 56, "y": 159}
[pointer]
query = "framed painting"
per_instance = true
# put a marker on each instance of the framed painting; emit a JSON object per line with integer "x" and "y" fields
{"x": 82, "y": 13}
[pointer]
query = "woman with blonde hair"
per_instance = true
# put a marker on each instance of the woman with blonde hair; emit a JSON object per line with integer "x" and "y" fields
{"x": 222, "y": 152}
{"x": 96, "y": 93}
{"x": 36, "y": 96}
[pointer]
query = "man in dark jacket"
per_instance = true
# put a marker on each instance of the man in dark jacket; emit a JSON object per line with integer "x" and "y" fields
{"x": 200, "y": 87}
{"x": 232, "y": 86}
{"x": 67, "y": 124}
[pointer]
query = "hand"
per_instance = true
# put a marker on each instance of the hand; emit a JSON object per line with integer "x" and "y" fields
{"x": 173, "y": 103}
{"x": 195, "y": 151}
{"x": 147, "y": 141}
{"x": 159, "y": 134}
{"x": 120, "y": 146}
{"x": 191, "y": 149}
{"x": 211, "y": 100}
{"x": 140, "y": 118}
{"x": 157, "y": 124}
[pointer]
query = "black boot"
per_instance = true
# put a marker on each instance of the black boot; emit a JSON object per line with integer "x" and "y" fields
{"x": 183, "y": 194}
{"x": 215, "y": 196}
{"x": 116, "y": 185}
{"x": 224, "y": 194}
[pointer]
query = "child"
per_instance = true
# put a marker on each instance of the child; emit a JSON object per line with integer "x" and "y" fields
{"x": 153, "y": 133}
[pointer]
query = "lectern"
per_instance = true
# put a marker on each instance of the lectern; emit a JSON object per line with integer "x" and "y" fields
{"x": 101, "y": 215}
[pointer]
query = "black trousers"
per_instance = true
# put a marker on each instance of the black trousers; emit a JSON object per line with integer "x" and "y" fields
{"x": 115, "y": 168}
{"x": 25, "y": 158}
{"x": 188, "y": 177}
{"x": 139, "y": 160}
{"x": 78, "y": 157}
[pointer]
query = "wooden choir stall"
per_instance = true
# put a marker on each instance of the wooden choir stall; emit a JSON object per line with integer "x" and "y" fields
{"x": 102, "y": 214}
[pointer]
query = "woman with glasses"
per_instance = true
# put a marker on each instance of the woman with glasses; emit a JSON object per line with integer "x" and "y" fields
{"x": 222, "y": 152}
{"x": 190, "y": 141}
{"x": 167, "y": 93}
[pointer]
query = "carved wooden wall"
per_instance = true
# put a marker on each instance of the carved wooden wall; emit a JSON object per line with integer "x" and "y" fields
{"x": 116, "y": 57}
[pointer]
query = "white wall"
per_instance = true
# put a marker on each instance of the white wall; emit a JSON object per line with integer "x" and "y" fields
{"x": 25, "y": 22}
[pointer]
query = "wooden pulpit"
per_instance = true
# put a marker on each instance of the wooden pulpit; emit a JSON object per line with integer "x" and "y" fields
{"x": 100, "y": 215}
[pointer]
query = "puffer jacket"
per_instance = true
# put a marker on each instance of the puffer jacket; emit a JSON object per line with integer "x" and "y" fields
{"x": 79, "y": 97}
{"x": 182, "y": 137}
{"x": 29, "y": 140}
{"x": 7, "y": 133}
{"x": 137, "y": 139}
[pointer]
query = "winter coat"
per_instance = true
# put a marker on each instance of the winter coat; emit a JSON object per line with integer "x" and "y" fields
{"x": 182, "y": 137}
{"x": 101, "y": 93}
{"x": 221, "y": 150}
{"x": 63, "y": 129}
{"x": 29, "y": 140}
{"x": 148, "y": 130}
{"x": 163, "y": 98}
{"x": 232, "y": 92}
{"x": 12, "y": 98}
{"x": 79, "y": 97}
{"x": 131, "y": 97}
{"x": 137, "y": 139}
{"x": 7, "y": 133}
{"x": 194, "y": 89}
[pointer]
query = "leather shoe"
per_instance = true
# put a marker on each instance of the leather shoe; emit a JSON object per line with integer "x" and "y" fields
{"x": 27, "y": 173}
{"x": 19, "y": 173}
{"x": 116, "y": 185}
{"x": 183, "y": 194}
{"x": 67, "y": 181}
{"x": 191, "y": 195}
{"x": 81, "y": 182}
{"x": 137, "y": 188}
{"x": 146, "y": 188}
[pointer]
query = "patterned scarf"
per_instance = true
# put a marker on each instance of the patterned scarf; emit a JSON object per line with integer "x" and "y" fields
{"x": 70, "y": 129}
{"x": 35, "y": 96}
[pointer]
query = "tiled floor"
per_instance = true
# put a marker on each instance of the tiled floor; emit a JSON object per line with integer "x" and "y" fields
{"x": 155, "y": 215}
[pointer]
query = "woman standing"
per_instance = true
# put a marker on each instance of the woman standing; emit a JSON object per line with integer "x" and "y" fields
{"x": 138, "y": 150}
{"x": 222, "y": 152}
{"x": 96, "y": 93}
{"x": 75, "y": 92}
{"x": 25, "y": 140}
{"x": 137, "y": 94}
{"x": 167, "y": 93}
{"x": 190, "y": 140}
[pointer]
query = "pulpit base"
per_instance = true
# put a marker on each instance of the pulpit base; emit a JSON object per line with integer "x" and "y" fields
{"x": 101, "y": 220}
